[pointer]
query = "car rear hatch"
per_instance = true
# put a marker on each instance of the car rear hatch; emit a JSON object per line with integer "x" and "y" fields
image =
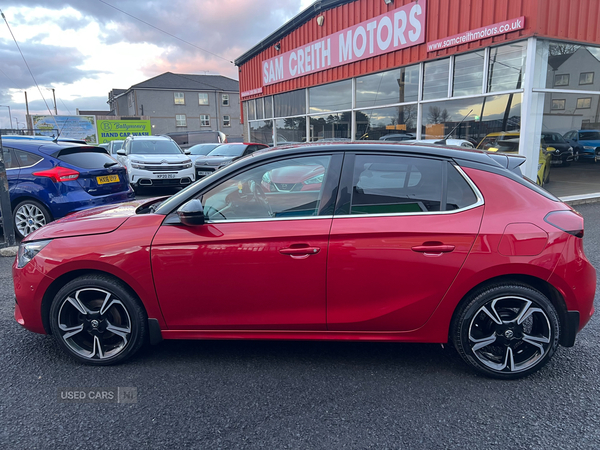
{"x": 99, "y": 173}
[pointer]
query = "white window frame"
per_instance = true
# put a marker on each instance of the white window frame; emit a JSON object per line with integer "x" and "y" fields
{"x": 180, "y": 120}
{"x": 224, "y": 99}
{"x": 203, "y": 118}
{"x": 201, "y": 96}
{"x": 226, "y": 120}
{"x": 179, "y": 98}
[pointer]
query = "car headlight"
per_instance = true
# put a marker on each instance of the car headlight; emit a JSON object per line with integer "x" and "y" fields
{"x": 28, "y": 250}
{"x": 587, "y": 147}
{"x": 314, "y": 180}
{"x": 187, "y": 165}
{"x": 136, "y": 164}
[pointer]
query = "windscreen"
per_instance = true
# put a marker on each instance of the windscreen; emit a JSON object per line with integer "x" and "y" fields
{"x": 589, "y": 136}
{"x": 86, "y": 159}
{"x": 202, "y": 149}
{"x": 155, "y": 147}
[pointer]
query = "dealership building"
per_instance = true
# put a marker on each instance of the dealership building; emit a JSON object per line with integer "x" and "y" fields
{"x": 524, "y": 70}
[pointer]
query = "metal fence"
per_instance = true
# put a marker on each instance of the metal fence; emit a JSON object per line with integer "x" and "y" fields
{"x": 8, "y": 228}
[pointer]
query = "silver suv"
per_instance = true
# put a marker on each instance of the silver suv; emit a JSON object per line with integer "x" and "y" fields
{"x": 155, "y": 161}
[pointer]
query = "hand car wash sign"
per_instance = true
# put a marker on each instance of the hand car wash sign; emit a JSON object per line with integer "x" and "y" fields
{"x": 401, "y": 28}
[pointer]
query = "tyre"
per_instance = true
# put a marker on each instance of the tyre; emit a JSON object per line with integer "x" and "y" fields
{"x": 506, "y": 331}
{"x": 97, "y": 321}
{"x": 28, "y": 216}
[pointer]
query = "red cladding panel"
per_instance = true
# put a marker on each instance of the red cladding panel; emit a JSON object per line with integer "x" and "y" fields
{"x": 573, "y": 20}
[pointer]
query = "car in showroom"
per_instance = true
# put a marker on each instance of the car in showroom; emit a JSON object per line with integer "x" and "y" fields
{"x": 557, "y": 146}
{"x": 508, "y": 142}
{"x": 155, "y": 161}
{"x": 224, "y": 155}
{"x": 391, "y": 242}
{"x": 586, "y": 144}
{"x": 48, "y": 180}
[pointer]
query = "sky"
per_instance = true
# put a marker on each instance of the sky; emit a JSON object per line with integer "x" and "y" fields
{"x": 85, "y": 48}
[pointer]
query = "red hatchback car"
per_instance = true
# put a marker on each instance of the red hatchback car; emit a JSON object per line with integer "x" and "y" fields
{"x": 380, "y": 242}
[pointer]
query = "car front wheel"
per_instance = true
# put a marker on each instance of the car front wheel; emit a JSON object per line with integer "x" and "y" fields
{"x": 28, "y": 216}
{"x": 96, "y": 320}
{"x": 506, "y": 331}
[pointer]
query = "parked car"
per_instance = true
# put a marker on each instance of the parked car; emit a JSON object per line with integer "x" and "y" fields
{"x": 452, "y": 142}
{"x": 398, "y": 137}
{"x": 223, "y": 155}
{"x": 155, "y": 161}
{"x": 48, "y": 180}
{"x": 104, "y": 146}
{"x": 201, "y": 150}
{"x": 114, "y": 147}
{"x": 508, "y": 142}
{"x": 402, "y": 243}
{"x": 558, "y": 147}
{"x": 586, "y": 143}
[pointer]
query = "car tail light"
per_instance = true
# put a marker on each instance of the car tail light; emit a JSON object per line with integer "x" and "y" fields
{"x": 569, "y": 221}
{"x": 58, "y": 174}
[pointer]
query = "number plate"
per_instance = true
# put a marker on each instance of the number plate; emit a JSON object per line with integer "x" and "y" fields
{"x": 108, "y": 179}
{"x": 204, "y": 172}
{"x": 165, "y": 175}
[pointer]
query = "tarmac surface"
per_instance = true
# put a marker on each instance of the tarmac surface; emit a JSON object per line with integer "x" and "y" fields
{"x": 278, "y": 395}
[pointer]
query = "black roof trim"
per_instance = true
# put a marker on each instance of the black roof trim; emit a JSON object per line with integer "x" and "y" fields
{"x": 314, "y": 9}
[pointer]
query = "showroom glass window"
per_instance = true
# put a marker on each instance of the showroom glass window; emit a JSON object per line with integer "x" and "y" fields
{"x": 285, "y": 189}
{"x": 435, "y": 82}
{"x": 331, "y": 127}
{"x": 291, "y": 129}
{"x": 268, "y": 107}
{"x": 384, "y": 88}
{"x": 251, "y": 109}
{"x": 261, "y": 131}
{"x": 260, "y": 108}
{"x": 290, "y": 103}
{"x": 507, "y": 67}
{"x": 468, "y": 74}
{"x": 330, "y": 97}
{"x": 372, "y": 124}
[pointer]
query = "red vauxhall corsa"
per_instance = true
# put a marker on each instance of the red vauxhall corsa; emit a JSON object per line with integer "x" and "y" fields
{"x": 381, "y": 242}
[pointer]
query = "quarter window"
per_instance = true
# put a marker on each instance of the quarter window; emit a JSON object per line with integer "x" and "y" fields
{"x": 204, "y": 120}
{"x": 179, "y": 98}
{"x": 180, "y": 120}
{"x": 290, "y": 188}
{"x": 26, "y": 159}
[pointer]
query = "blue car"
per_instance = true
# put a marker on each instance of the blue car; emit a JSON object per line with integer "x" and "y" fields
{"x": 48, "y": 180}
{"x": 586, "y": 143}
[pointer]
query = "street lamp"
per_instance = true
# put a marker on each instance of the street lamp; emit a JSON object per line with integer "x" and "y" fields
{"x": 9, "y": 116}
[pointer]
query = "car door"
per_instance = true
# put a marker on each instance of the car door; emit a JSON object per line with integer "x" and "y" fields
{"x": 259, "y": 261}
{"x": 402, "y": 229}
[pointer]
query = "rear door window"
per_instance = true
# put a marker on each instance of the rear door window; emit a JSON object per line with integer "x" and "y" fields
{"x": 400, "y": 184}
{"x": 10, "y": 162}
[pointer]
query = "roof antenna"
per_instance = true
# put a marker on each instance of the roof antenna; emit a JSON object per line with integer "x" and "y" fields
{"x": 55, "y": 140}
{"x": 443, "y": 141}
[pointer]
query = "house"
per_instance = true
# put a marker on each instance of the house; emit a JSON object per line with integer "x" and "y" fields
{"x": 182, "y": 102}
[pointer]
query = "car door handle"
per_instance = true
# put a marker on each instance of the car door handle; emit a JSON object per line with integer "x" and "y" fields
{"x": 303, "y": 252}
{"x": 442, "y": 248}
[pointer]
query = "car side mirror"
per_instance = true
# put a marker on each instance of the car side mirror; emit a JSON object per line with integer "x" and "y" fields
{"x": 191, "y": 213}
{"x": 187, "y": 151}
{"x": 121, "y": 152}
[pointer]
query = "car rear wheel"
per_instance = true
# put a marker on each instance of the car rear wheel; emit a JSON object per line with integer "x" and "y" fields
{"x": 96, "y": 320}
{"x": 30, "y": 215}
{"x": 506, "y": 331}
